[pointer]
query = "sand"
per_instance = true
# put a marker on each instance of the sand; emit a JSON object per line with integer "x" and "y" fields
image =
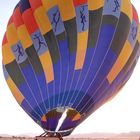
{"x": 24, "y": 138}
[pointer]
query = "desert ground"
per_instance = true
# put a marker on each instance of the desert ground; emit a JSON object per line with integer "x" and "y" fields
{"x": 90, "y": 136}
{"x": 23, "y": 138}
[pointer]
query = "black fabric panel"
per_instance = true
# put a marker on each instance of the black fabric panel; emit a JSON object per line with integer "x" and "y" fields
{"x": 132, "y": 57}
{"x": 53, "y": 114}
{"x": 61, "y": 36}
{"x": 52, "y": 45}
{"x": 15, "y": 73}
{"x": 71, "y": 113}
{"x": 24, "y": 64}
{"x": 34, "y": 59}
{"x": 95, "y": 18}
{"x": 121, "y": 33}
{"x": 24, "y": 5}
{"x": 133, "y": 65}
{"x": 17, "y": 6}
{"x": 109, "y": 19}
{"x": 71, "y": 30}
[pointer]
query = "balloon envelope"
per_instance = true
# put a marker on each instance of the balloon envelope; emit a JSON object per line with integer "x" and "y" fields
{"x": 63, "y": 59}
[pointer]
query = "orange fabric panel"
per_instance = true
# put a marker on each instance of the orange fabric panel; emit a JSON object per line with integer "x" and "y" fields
{"x": 42, "y": 20}
{"x": 8, "y": 56}
{"x": 11, "y": 34}
{"x": 95, "y": 4}
{"x": 48, "y": 4}
{"x": 47, "y": 66}
{"x": 15, "y": 91}
{"x": 44, "y": 119}
{"x": 121, "y": 61}
{"x": 24, "y": 36}
{"x": 126, "y": 7}
{"x": 81, "y": 49}
{"x": 77, "y": 117}
{"x": 67, "y": 9}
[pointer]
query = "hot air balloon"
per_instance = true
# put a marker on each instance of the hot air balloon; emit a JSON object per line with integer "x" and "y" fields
{"x": 63, "y": 59}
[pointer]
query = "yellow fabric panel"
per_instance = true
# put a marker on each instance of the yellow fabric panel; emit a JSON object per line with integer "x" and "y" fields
{"x": 8, "y": 56}
{"x": 11, "y": 34}
{"x": 24, "y": 36}
{"x": 121, "y": 61}
{"x": 15, "y": 91}
{"x": 44, "y": 119}
{"x": 138, "y": 36}
{"x": 67, "y": 9}
{"x": 95, "y": 4}
{"x": 77, "y": 117}
{"x": 81, "y": 49}
{"x": 47, "y": 66}
{"x": 42, "y": 20}
{"x": 48, "y": 4}
{"x": 126, "y": 7}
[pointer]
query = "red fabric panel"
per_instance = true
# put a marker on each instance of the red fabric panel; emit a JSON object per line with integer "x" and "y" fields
{"x": 18, "y": 21}
{"x": 10, "y": 20}
{"x": 4, "y": 40}
{"x": 29, "y": 21}
{"x": 135, "y": 15}
{"x": 79, "y": 2}
{"x": 35, "y": 4}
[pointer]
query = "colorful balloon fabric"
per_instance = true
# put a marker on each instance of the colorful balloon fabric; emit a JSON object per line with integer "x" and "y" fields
{"x": 66, "y": 58}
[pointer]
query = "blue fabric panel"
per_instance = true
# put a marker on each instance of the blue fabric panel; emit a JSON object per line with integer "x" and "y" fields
{"x": 82, "y": 76}
{"x": 57, "y": 76}
{"x": 33, "y": 84}
{"x": 58, "y": 29}
{"x": 56, "y": 21}
{"x": 72, "y": 91}
{"x": 72, "y": 59}
{"x": 39, "y": 42}
{"x": 112, "y": 89}
{"x": 133, "y": 33}
{"x": 65, "y": 62}
{"x": 52, "y": 122}
{"x": 63, "y": 47}
{"x": 24, "y": 89}
{"x": 24, "y": 5}
{"x": 82, "y": 20}
{"x": 100, "y": 53}
{"x": 43, "y": 87}
{"x": 112, "y": 7}
{"x": 81, "y": 106}
{"x": 100, "y": 83}
{"x": 93, "y": 106}
{"x": 19, "y": 53}
{"x": 68, "y": 124}
{"x": 88, "y": 57}
{"x": 30, "y": 111}
{"x": 104, "y": 70}
{"x": 102, "y": 90}
{"x": 108, "y": 92}
{"x": 104, "y": 41}
{"x": 82, "y": 17}
{"x": 50, "y": 87}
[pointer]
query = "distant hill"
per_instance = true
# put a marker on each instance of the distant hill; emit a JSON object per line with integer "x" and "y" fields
{"x": 130, "y": 134}
{"x": 91, "y": 135}
{"x": 107, "y": 135}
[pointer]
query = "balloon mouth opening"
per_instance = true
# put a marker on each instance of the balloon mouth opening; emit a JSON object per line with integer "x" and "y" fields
{"x": 61, "y": 120}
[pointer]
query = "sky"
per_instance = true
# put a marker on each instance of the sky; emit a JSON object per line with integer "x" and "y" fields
{"x": 122, "y": 114}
